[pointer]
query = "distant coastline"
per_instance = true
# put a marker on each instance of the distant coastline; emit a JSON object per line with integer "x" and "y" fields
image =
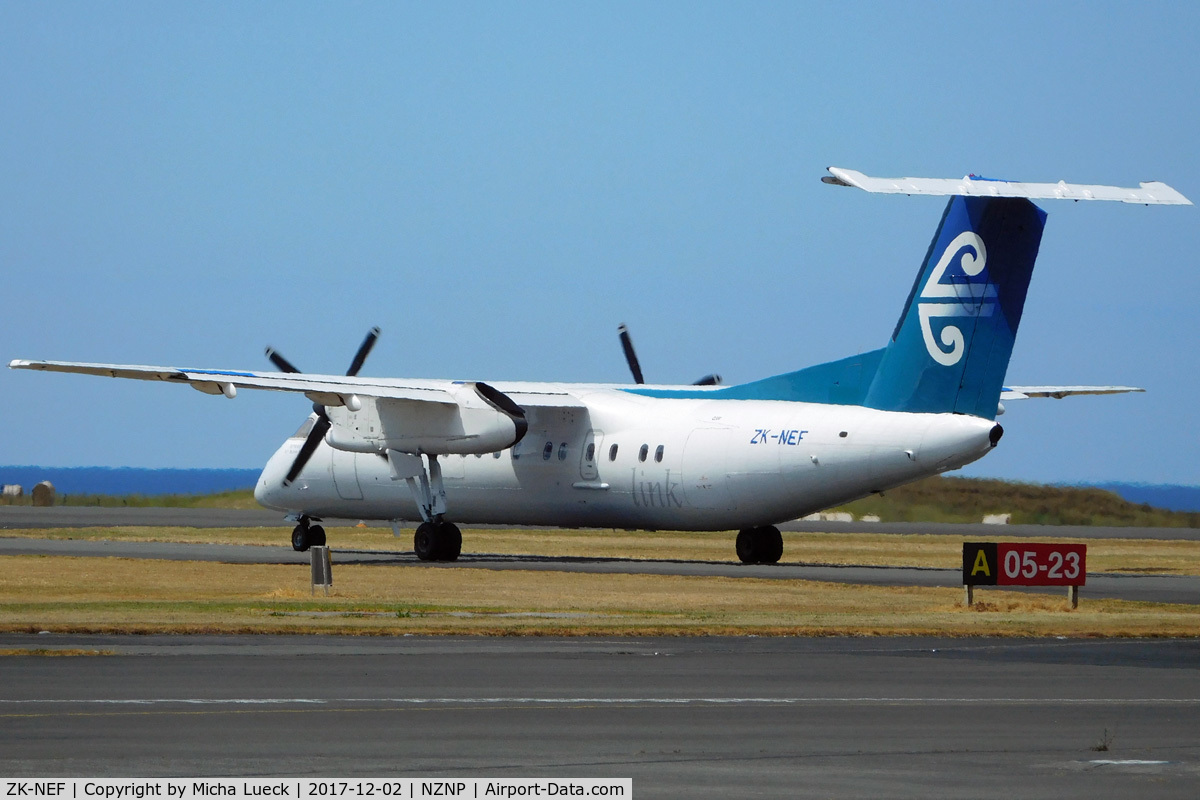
{"x": 1160, "y": 495}
{"x": 131, "y": 480}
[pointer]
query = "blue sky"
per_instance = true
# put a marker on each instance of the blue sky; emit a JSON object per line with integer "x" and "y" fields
{"x": 498, "y": 186}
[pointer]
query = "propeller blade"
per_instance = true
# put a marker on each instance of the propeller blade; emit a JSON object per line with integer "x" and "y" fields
{"x": 319, "y": 429}
{"x": 281, "y": 363}
{"x": 363, "y": 351}
{"x": 322, "y": 423}
{"x": 630, "y": 356}
{"x": 708, "y": 380}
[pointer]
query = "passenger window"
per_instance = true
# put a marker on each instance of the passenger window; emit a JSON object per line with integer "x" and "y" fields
{"x": 643, "y": 452}
{"x": 658, "y": 454}
{"x": 590, "y": 453}
{"x": 547, "y": 450}
{"x": 612, "y": 453}
{"x": 562, "y": 452}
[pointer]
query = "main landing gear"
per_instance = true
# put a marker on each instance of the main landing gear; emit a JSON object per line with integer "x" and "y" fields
{"x": 435, "y": 538}
{"x": 437, "y": 541}
{"x": 760, "y": 545}
{"x": 306, "y": 535}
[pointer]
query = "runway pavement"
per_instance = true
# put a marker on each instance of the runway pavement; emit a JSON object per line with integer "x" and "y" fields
{"x": 96, "y": 517}
{"x": 695, "y": 718}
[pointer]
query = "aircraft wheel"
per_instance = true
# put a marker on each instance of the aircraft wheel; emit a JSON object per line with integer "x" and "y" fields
{"x": 316, "y": 536}
{"x": 300, "y": 541}
{"x": 770, "y": 545}
{"x": 449, "y": 542}
{"x": 425, "y": 541}
{"x": 747, "y": 546}
{"x": 759, "y": 545}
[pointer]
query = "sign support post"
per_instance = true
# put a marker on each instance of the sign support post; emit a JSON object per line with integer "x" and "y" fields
{"x": 322, "y": 568}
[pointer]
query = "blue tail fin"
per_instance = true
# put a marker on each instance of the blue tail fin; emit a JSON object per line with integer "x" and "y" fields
{"x": 950, "y": 350}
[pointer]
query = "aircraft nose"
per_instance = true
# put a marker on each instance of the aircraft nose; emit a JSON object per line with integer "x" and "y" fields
{"x": 261, "y": 495}
{"x": 269, "y": 490}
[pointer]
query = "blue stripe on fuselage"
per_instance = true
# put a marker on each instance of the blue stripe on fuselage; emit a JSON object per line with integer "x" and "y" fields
{"x": 844, "y": 383}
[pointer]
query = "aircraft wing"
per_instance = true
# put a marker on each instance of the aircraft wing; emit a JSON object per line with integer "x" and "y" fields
{"x": 1147, "y": 193}
{"x": 1059, "y": 392}
{"x": 319, "y": 388}
{"x": 329, "y": 390}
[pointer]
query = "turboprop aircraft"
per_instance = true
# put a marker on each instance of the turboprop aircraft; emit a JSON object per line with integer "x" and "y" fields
{"x": 703, "y": 457}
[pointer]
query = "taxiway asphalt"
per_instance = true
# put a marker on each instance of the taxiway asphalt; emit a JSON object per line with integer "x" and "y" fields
{"x": 683, "y": 717}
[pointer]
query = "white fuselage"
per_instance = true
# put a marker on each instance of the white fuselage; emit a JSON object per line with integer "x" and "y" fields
{"x": 625, "y": 460}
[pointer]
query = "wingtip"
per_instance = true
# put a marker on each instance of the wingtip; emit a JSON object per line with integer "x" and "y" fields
{"x": 836, "y": 177}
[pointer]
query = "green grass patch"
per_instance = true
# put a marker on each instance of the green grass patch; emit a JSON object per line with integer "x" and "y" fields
{"x": 240, "y": 498}
{"x": 941, "y": 499}
{"x": 112, "y": 595}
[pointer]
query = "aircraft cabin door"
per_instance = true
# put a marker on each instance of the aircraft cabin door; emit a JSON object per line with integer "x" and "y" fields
{"x": 589, "y": 458}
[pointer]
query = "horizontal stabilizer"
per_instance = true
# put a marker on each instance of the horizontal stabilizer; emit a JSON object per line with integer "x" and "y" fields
{"x": 1059, "y": 392}
{"x": 1152, "y": 193}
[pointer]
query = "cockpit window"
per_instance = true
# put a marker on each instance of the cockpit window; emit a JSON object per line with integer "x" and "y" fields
{"x": 305, "y": 429}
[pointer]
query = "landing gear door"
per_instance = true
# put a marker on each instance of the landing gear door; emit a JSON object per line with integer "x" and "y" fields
{"x": 590, "y": 456}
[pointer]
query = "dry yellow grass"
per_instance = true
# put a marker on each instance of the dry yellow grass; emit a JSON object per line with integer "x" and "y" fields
{"x": 1138, "y": 556}
{"x": 105, "y": 594}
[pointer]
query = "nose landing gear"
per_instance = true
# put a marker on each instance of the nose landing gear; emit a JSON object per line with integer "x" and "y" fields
{"x": 306, "y": 535}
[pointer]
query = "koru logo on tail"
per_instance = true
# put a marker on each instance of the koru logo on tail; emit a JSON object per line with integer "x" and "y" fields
{"x": 955, "y": 297}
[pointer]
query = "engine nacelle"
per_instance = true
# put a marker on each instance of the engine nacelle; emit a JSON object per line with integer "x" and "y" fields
{"x": 480, "y": 420}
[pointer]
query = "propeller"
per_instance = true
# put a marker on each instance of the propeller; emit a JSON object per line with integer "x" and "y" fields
{"x": 636, "y": 368}
{"x": 315, "y": 435}
{"x": 321, "y": 425}
{"x": 281, "y": 363}
{"x": 364, "y": 350}
{"x": 630, "y": 356}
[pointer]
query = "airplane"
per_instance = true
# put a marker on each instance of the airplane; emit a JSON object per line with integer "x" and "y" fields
{"x": 702, "y": 457}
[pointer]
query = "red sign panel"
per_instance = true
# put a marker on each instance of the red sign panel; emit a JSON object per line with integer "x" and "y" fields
{"x": 1024, "y": 564}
